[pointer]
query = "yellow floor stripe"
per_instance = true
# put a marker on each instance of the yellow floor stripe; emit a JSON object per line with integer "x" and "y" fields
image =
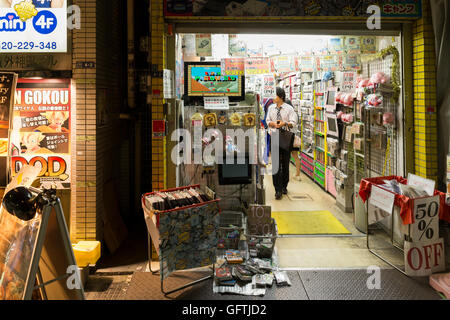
{"x": 308, "y": 223}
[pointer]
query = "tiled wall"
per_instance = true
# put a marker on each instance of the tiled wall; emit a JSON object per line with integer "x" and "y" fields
{"x": 97, "y": 41}
{"x": 425, "y": 109}
{"x": 157, "y": 50}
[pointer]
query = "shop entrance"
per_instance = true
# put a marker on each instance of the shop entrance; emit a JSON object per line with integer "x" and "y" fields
{"x": 343, "y": 89}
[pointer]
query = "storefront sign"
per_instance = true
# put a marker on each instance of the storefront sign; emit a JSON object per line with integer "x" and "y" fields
{"x": 424, "y": 258}
{"x": 254, "y": 66}
{"x": 33, "y": 26}
{"x": 426, "y": 219}
{"x": 300, "y": 8}
{"x": 41, "y": 129}
{"x": 217, "y": 103}
{"x": 203, "y": 46}
{"x": 233, "y": 66}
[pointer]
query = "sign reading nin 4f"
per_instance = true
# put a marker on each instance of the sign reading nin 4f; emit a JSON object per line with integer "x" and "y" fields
{"x": 33, "y": 26}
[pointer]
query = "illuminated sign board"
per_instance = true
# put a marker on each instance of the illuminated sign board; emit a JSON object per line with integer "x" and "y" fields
{"x": 33, "y": 26}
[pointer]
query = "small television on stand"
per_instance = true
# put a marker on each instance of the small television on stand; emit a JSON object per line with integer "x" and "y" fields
{"x": 205, "y": 79}
{"x": 239, "y": 172}
{"x": 330, "y": 100}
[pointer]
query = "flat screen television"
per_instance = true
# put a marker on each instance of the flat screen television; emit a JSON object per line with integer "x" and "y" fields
{"x": 205, "y": 79}
{"x": 235, "y": 173}
{"x": 332, "y": 125}
{"x": 330, "y": 100}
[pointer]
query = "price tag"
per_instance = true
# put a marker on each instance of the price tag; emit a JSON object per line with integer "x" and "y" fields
{"x": 426, "y": 216}
{"x": 217, "y": 103}
{"x": 259, "y": 220}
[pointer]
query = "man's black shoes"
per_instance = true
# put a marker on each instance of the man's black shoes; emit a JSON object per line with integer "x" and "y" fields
{"x": 278, "y": 196}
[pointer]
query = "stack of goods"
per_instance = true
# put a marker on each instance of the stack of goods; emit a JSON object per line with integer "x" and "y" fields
{"x": 261, "y": 247}
{"x": 163, "y": 201}
{"x": 234, "y": 257}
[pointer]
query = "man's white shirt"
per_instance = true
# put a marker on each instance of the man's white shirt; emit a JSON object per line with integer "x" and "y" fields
{"x": 288, "y": 115}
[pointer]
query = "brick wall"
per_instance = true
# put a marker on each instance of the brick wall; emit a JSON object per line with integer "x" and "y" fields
{"x": 425, "y": 119}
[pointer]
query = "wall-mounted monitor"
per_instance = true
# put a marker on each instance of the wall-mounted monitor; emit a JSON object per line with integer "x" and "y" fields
{"x": 332, "y": 125}
{"x": 205, "y": 79}
{"x": 330, "y": 100}
{"x": 235, "y": 173}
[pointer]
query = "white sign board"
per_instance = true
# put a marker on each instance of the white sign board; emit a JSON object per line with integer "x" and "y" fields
{"x": 424, "y": 258}
{"x": 426, "y": 216}
{"x": 382, "y": 199}
{"x": 422, "y": 183}
{"x": 269, "y": 86}
{"x": 33, "y": 26}
{"x": 217, "y": 103}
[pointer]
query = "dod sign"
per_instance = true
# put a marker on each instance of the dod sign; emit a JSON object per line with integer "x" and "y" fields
{"x": 33, "y": 26}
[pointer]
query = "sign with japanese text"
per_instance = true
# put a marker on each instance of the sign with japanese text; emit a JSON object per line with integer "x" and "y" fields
{"x": 298, "y": 8}
{"x": 33, "y": 26}
{"x": 254, "y": 66}
{"x": 424, "y": 258}
{"x": 307, "y": 64}
{"x": 282, "y": 64}
{"x": 269, "y": 86}
{"x": 8, "y": 82}
{"x": 348, "y": 81}
{"x": 368, "y": 45}
{"x": 217, "y": 103}
{"x": 40, "y": 134}
{"x": 233, "y": 66}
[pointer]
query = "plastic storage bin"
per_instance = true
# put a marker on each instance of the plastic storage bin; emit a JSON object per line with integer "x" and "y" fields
{"x": 87, "y": 252}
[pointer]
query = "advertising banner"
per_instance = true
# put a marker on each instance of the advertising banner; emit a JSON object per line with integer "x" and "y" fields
{"x": 203, "y": 46}
{"x": 233, "y": 66}
{"x": 41, "y": 129}
{"x": 236, "y": 47}
{"x": 33, "y": 26}
{"x": 254, "y": 66}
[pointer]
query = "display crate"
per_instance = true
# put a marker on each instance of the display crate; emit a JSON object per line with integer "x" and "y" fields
{"x": 231, "y": 227}
{"x": 254, "y": 240}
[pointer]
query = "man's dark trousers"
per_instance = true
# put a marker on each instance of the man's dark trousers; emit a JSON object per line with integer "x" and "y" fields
{"x": 281, "y": 178}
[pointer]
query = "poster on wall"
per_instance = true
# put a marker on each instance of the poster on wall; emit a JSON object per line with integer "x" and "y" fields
{"x": 255, "y": 66}
{"x": 352, "y": 45}
{"x": 236, "y": 47}
{"x": 233, "y": 66}
{"x": 352, "y": 62}
{"x": 40, "y": 134}
{"x": 348, "y": 81}
{"x": 269, "y": 86}
{"x": 336, "y": 45}
{"x": 307, "y": 63}
{"x": 368, "y": 45}
{"x": 203, "y": 46}
{"x": 8, "y": 82}
{"x": 329, "y": 63}
{"x": 297, "y": 8}
{"x": 282, "y": 64}
{"x": 33, "y": 26}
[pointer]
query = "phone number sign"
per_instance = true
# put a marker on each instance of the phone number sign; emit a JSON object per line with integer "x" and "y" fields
{"x": 33, "y": 26}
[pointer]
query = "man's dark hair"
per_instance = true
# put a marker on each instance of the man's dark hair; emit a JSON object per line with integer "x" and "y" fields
{"x": 281, "y": 94}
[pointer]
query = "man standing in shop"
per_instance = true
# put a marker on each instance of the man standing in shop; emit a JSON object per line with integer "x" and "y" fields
{"x": 281, "y": 116}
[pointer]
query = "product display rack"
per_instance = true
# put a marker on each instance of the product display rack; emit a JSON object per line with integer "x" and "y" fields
{"x": 307, "y": 124}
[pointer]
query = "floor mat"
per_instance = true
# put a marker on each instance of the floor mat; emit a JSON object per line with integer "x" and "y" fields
{"x": 353, "y": 285}
{"x": 145, "y": 286}
{"x": 308, "y": 223}
{"x": 299, "y": 197}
